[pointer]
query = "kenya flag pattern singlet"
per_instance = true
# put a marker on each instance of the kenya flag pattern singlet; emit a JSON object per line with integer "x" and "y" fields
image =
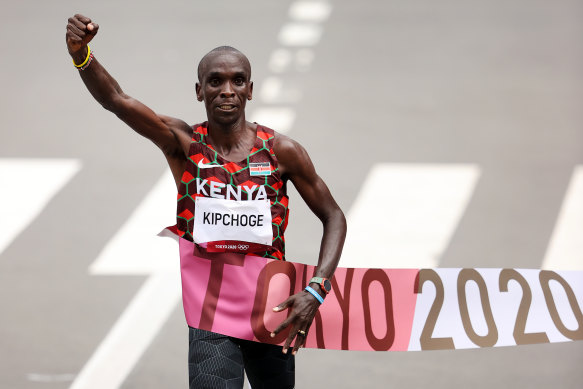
{"x": 209, "y": 178}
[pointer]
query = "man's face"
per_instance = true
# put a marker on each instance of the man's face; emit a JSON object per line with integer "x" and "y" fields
{"x": 224, "y": 86}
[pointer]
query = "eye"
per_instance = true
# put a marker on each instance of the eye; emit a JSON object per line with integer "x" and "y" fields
{"x": 214, "y": 82}
{"x": 239, "y": 81}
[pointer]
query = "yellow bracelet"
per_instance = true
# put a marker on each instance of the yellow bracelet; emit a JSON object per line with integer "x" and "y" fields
{"x": 86, "y": 59}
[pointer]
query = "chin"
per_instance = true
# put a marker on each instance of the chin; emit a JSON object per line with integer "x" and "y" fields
{"x": 228, "y": 119}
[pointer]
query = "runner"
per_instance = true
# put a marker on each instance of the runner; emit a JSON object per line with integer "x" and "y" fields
{"x": 239, "y": 193}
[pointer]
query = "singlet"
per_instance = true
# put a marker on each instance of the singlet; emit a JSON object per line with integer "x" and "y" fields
{"x": 226, "y": 206}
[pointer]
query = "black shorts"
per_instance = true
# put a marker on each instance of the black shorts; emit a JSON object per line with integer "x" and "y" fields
{"x": 218, "y": 361}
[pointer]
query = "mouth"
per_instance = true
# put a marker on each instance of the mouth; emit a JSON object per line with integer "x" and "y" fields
{"x": 227, "y": 107}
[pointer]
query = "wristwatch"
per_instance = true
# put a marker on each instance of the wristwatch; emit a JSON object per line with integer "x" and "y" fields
{"x": 324, "y": 283}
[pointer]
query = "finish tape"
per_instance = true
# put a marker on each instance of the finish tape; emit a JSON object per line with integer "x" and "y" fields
{"x": 384, "y": 309}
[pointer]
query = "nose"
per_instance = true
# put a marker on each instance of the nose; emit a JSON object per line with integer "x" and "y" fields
{"x": 227, "y": 90}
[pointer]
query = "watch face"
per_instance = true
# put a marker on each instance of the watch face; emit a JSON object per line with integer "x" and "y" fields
{"x": 327, "y": 285}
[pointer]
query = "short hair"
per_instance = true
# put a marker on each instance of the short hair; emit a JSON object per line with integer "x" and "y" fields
{"x": 231, "y": 49}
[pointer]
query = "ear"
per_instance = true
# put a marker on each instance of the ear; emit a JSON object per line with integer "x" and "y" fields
{"x": 250, "y": 96}
{"x": 198, "y": 92}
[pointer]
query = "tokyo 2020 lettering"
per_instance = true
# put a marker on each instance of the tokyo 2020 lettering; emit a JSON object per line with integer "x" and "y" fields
{"x": 385, "y": 309}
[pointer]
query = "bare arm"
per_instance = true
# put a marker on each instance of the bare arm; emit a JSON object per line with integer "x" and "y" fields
{"x": 295, "y": 164}
{"x": 171, "y": 135}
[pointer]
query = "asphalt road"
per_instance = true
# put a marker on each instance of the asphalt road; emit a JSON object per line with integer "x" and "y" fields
{"x": 493, "y": 83}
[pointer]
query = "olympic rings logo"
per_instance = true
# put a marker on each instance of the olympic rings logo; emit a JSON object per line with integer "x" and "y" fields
{"x": 243, "y": 247}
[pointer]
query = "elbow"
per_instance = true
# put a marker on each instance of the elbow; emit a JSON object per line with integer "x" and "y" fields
{"x": 342, "y": 220}
{"x": 336, "y": 219}
{"x": 114, "y": 104}
{"x": 340, "y": 215}
{"x": 108, "y": 105}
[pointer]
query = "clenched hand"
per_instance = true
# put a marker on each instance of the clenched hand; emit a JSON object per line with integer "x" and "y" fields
{"x": 80, "y": 31}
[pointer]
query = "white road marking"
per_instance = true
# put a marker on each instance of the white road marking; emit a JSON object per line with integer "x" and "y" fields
{"x": 270, "y": 89}
{"x": 310, "y": 11}
{"x": 300, "y": 34}
{"x": 405, "y": 214}
{"x": 279, "y": 60}
{"x": 281, "y": 119}
{"x": 136, "y": 249}
{"x": 304, "y": 59}
{"x": 27, "y": 187}
{"x": 565, "y": 249}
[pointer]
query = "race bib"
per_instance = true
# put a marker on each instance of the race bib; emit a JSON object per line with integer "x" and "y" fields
{"x": 231, "y": 220}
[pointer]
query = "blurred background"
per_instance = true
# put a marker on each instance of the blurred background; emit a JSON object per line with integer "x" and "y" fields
{"x": 455, "y": 123}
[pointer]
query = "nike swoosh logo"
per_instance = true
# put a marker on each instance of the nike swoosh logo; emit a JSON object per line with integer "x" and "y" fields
{"x": 202, "y": 165}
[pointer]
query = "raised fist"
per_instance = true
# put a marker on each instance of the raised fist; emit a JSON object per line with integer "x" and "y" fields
{"x": 80, "y": 31}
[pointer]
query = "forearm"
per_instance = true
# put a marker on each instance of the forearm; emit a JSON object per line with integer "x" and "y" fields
{"x": 331, "y": 245}
{"x": 102, "y": 86}
{"x": 303, "y": 304}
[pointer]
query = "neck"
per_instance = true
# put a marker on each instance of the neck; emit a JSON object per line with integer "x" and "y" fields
{"x": 227, "y": 137}
{"x": 227, "y": 128}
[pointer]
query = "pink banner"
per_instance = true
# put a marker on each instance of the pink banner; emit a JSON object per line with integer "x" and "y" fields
{"x": 233, "y": 294}
{"x": 382, "y": 309}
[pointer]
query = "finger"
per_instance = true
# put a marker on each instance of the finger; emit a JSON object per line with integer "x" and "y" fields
{"x": 283, "y": 305}
{"x": 83, "y": 19}
{"x": 281, "y": 326}
{"x": 300, "y": 342}
{"x": 288, "y": 341}
{"x": 77, "y": 23}
{"x": 76, "y": 31}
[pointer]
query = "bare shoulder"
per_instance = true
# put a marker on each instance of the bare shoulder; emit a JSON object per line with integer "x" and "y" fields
{"x": 283, "y": 144}
{"x": 176, "y": 125}
{"x": 292, "y": 157}
{"x": 182, "y": 132}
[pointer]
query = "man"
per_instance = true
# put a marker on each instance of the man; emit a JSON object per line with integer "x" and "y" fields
{"x": 227, "y": 144}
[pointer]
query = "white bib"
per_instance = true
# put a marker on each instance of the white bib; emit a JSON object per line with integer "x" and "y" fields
{"x": 220, "y": 220}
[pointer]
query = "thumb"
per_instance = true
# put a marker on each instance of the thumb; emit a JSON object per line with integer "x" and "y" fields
{"x": 91, "y": 32}
{"x": 92, "y": 28}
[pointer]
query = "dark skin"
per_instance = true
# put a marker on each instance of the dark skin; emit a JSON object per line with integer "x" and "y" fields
{"x": 225, "y": 87}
